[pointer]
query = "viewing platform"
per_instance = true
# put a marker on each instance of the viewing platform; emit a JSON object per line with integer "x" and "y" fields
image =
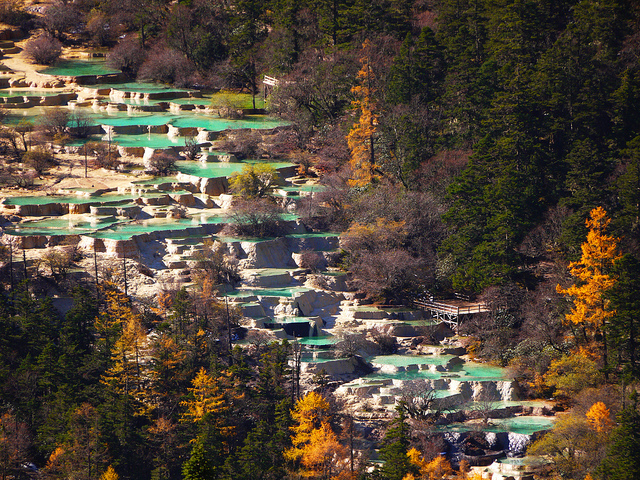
{"x": 451, "y": 311}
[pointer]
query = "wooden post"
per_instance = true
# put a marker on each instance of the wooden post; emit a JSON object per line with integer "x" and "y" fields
{"x": 11, "y": 264}
{"x": 226, "y": 303}
{"x": 95, "y": 266}
{"x": 124, "y": 265}
{"x": 24, "y": 263}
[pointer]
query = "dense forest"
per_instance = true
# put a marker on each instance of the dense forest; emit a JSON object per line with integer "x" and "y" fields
{"x": 485, "y": 147}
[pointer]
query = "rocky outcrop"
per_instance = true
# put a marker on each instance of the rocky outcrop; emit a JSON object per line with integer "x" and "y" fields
{"x": 186, "y": 199}
{"x": 252, "y": 279}
{"x": 121, "y": 248}
{"x": 91, "y": 244}
{"x": 25, "y": 242}
{"x": 209, "y": 186}
{"x": 42, "y": 210}
{"x": 338, "y": 367}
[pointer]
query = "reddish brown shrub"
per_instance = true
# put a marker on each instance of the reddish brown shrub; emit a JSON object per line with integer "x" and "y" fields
{"x": 44, "y": 49}
{"x": 127, "y": 56}
{"x": 167, "y": 66}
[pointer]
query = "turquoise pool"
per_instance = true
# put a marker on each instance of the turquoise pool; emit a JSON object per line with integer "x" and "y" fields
{"x": 78, "y": 67}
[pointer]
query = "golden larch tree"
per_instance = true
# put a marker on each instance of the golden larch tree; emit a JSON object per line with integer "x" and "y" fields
{"x": 591, "y": 308}
{"x": 110, "y": 474}
{"x": 599, "y": 418}
{"x": 361, "y": 136}
{"x": 436, "y": 469}
{"x": 315, "y": 445}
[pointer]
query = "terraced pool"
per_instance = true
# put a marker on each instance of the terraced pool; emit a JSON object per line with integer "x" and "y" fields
{"x": 80, "y": 67}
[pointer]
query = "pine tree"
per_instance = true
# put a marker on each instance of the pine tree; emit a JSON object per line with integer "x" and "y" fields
{"x": 623, "y": 454}
{"x": 395, "y": 448}
{"x": 623, "y": 328}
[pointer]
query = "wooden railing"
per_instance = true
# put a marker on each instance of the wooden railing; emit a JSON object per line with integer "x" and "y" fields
{"x": 452, "y": 309}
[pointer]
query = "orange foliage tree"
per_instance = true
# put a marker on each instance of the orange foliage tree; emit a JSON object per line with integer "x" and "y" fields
{"x": 361, "y": 136}
{"x": 436, "y": 469}
{"x": 599, "y": 418}
{"x": 315, "y": 445}
{"x": 590, "y": 306}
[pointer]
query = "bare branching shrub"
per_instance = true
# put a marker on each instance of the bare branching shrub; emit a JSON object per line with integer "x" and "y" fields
{"x": 485, "y": 406}
{"x": 191, "y": 147}
{"x": 23, "y": 178}
{"x": 53, "y": 122}
{"x": 105, "y": 155}
{"x": 304, "y": 160}
{"x": 80, "y": 124}
{"x": 19, "y": 177}
{"x": 318, "y": 282}
{"x": 127, "y": 56}
{"x": 10, "y": 145}
{"x": 167, "y": 66}
{"x": 423, "y": 405}
{"x": 44, "y": 49}
{"x": 310, "y": 260}
{"x": 13, "y": 13}
{"x": 244, "y": 145}
{"x": 213, "y": 266}
{"x": 162, "y": 164}
{"x": 23, "y": 132}
{"x": 100, "y": 29}
{"x": 387, "y": 344}
{"x": 259, "y": 339}
{"x": 255, "y": 218}
{"x": 60, "y": 18}
{"x": 350, "y": 344}
{"x": 40, "y": 159}
{"x": 58, "y": 261}
{"x": 327, "y": 209}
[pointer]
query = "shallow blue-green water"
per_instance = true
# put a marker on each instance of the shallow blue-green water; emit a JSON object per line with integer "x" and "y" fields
{"x": 78, "y": 67}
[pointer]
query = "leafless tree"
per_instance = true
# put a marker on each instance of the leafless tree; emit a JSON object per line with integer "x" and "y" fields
{"x": 43, "y": 50}
{"x": 191, "y": 147}
{"x": 255, "y": 218}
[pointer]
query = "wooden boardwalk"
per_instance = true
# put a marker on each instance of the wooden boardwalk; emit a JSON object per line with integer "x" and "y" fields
{"x": 451, "y": 311}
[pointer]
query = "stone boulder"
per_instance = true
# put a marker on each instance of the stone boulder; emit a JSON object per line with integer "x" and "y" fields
{"x": 121, "y": 248}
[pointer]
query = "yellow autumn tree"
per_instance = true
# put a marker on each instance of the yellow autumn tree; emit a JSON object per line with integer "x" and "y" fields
{"x": 590, "y": 306}
{"x": 315, "y": 445}
{"x": 125, "y": 341}
{"x": 361, "y": 136}
{"x": 436, "y": 469}
{"x": 210, "y": 401}
{"x": 207, "y": 397}
{"x": 599, "y": 418}
{"x": 110, "y": 474}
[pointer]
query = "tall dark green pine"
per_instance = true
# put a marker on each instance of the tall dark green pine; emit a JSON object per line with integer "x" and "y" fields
{"x": 287, "y": 33}
{"x": 247, "y": 21}
{"x": 199, "y": 465}
{"x": 577, "y": 77}
{"x": 623, "y": 329}
{"x": 402, "y": 81}
{"x": 626, "y": 118}
{"x": 468, "y": 86}
{"x": 501, "y": 194}
{"x": 395, "y": 446}
{"x": 418, "y": 70}
{"x": 627, "y": 221}
{"x": 623, "y": 454}
{"x": 588, "y": 170}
